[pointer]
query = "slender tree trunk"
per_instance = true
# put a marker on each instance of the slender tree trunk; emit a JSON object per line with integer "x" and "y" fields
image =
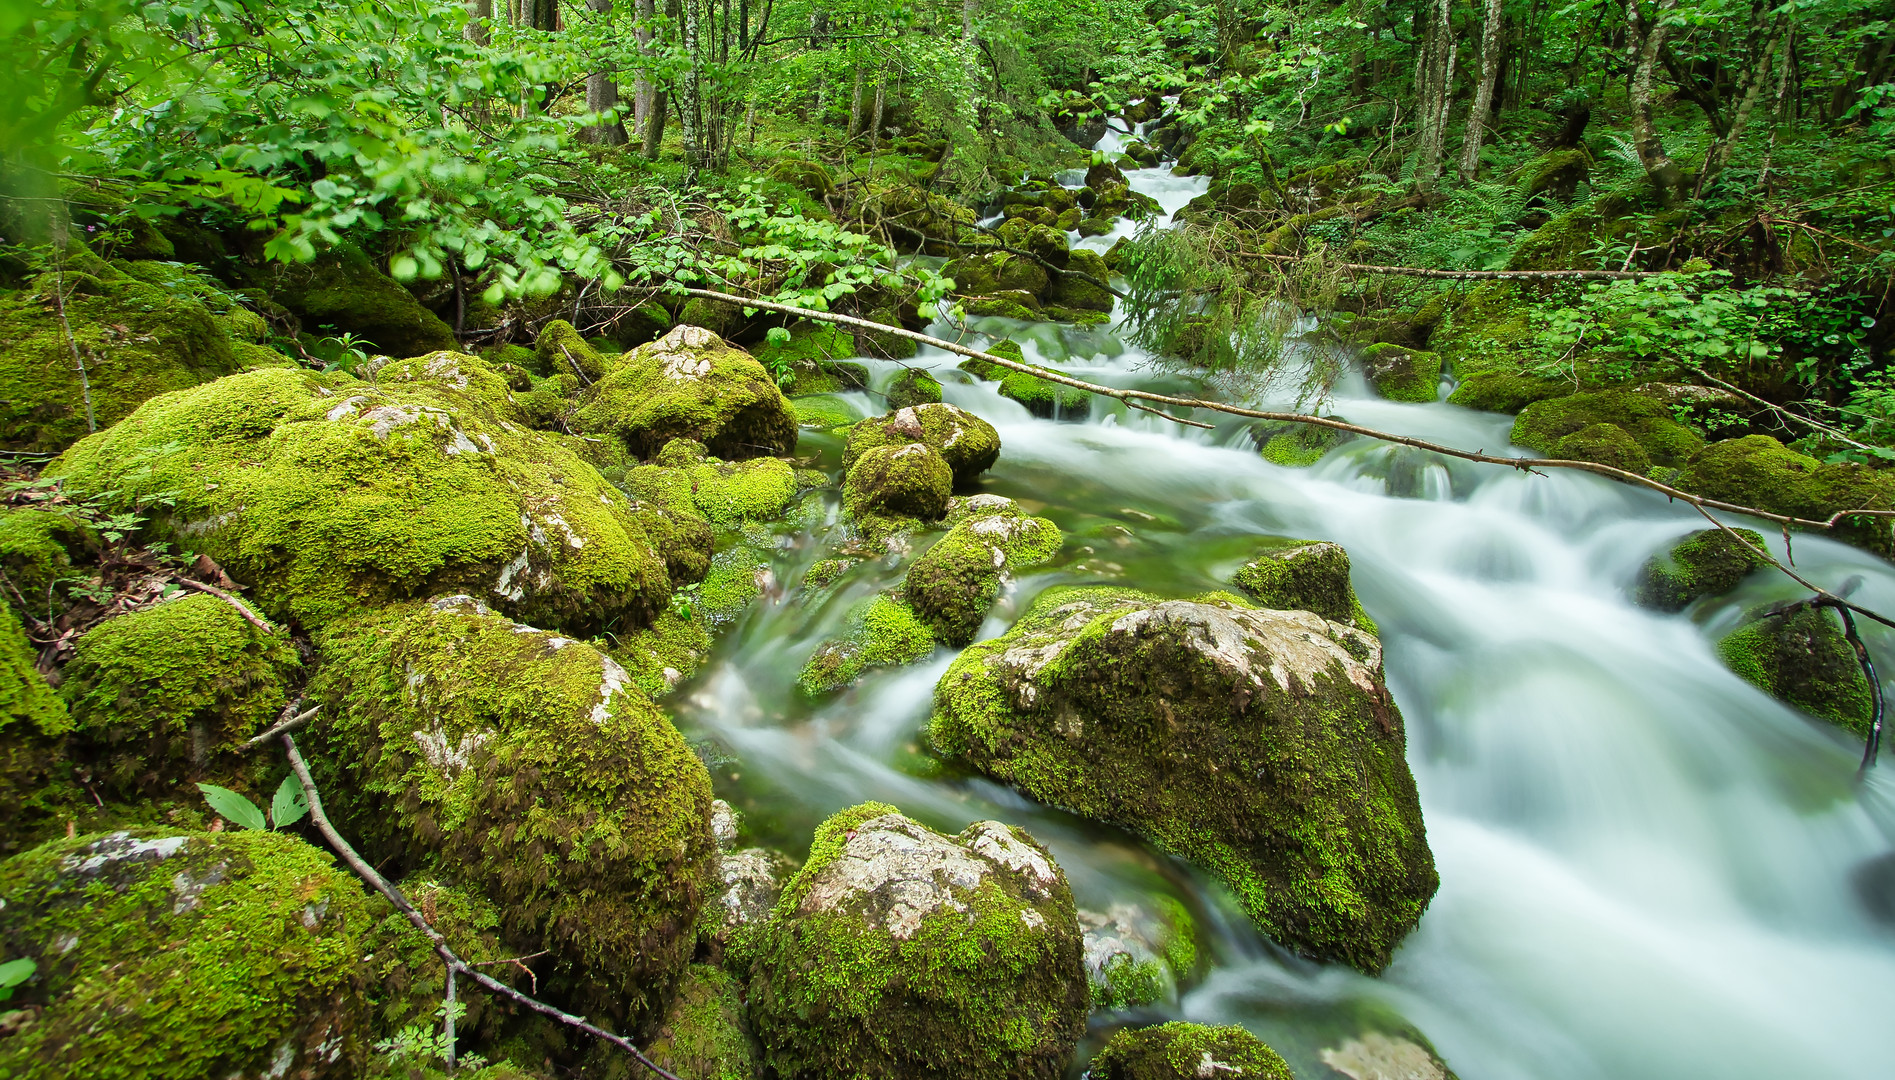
{"x": 855, "y": 105}
{"x": 644, "y": 93}
{"x": 875, "y": 125}
{"x": 1643, "y": 44}
{"x": 691, "y": 91}
{"x": 1491, "y": 40}
{"x": 1434, "y": 79}
{"x": 478, "y": 12}
{"x": 1750, "y": 87}
{"x": 602, "y": 95}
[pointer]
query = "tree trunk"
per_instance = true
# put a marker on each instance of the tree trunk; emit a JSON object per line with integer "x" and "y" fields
{"x": 1490, "y": 49}
{"x": 643, "y": 92}
{"x": 1434, "y": 79}
{"x": 1749, "y": 88}
{"x": 691, "y": 92}
{"x": 602, "y": 95}
{"x": 875, "y": 125}
{"x": 1643, "y": 43}
{"x": 855, "y": 105}
{"x": 478, "y": 11}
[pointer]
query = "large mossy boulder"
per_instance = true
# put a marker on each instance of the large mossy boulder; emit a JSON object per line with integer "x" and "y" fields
{"x": 1760, "y": 472}
{"x": 1798, "y": 655}
{"x": 328, "y": 495}
{"x": 954, "y": 583}
{"x": 690, "y": 384}
{"x": 343, "y": 291}
{"x": 1305, "y": 575}
{"x": 1071, "y": 290}
{"x": 1182, "y": 1051}
{"x": 178, "y": 956}
{"x": 135, "y": 340}
{"x": 910, "y": 480}
{"x": 1402, "y": 374}
{"x": 898, "y": 952}
{"x": 967, "y": 443}
{"x": 529, "y": 763}
{"x": 1296, "y": 446}
{"x": 173, "y": 691}
{"x": 1709, "y": 562}
{"x": 1548, "y": 427}
{"x": 1262, "y": 745}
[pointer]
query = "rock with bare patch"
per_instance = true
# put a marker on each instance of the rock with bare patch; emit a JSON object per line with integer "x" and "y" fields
{"x": 967, "y": 443}
{"x": 690, "y": 384}
{"x": 900, "y": 952}
{"x": 1180, "y": 1051}
{"x": 529, "y": 763}
{"x": 1374, "y": 1055}
{"x": 1262, "y": 745}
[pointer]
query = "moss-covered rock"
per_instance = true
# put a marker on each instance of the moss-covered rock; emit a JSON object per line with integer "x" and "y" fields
{"x": 529, "y": 764}
{"x": 882, "y": 344}
{"x": 165, "y": 955}
{"x": 1296, "y": 446}
{"x": 883, "y": 632}
{"x": 1072, "y": 291}
{"x": 690, "y": 384}
{"x": 664, "y": 654}
{"x": 1005, "y": 305}
{"x": 906, "y": 480}
{"x": 559, "y": 348}
{"x": 1759, "y": 471}
{"x": 343, "y": 291}
{"x": 36, "y": 549}
{"x": 738, "y": 575}
{"x": 1604, "y": 444}
{"x": 136, "y": 340}
{"x": 33, "y": 726}
{"x": 967, "y": 443}
{"x": 328, "y": 495}
{"x": 1501, "y": 392}
{"x": 174, "y": 690}
{"x": 703, "y": 1036}
{"x": 1543, "y": 425}
{"x": 897, "y": 951}
{"x": 1135, "y": 957}
{"x": 913, "y": 387}
{"x": 1181, "y": 1051}
{"x": 1402, "y": 374}
{"x": 720, "y": 317}
{"x": 1262, "y": 745}
{"x": 987, "y": 370}
{"x": 825, "y": 411}
{"x": 409, "y": 977}
{"x": 1799, "y": 656}
{"x": 954, "y": 583}
{"x": 752, "y": 880}
{"x": 1709, "y": 562}
{"x": 1305, "y": 575}
{"x": 1045, "y": 398}
{"x": 726, "y": 493}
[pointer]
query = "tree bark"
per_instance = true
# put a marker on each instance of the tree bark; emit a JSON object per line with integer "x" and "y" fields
{"x": 691, "y": 93}
{"x": 1749, "y": 89}
{"x": 478, "y": 12}
{"x": 643, "y": 92}
{"x": 602, "y": 95}
{"x": 1434, "y": 79}
{"x": 1643, "y": 43}
{"x": 1491, "y": 40}
{"x": 875, "y": 125}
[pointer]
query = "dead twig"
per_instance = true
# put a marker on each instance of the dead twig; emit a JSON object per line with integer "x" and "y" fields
{"x": 242, "y": 608}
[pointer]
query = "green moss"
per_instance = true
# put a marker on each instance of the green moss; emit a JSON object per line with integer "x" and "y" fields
{"x": 1543, "y": 425}
{"x": 1180, "y": 941}
{"x": 967, "y": 443}
{"x": 825, "y": 411}
{"x": 159, "y": 693}
{"x": 1047, "y": 399}
{"x": 1126, "y": 983}
{"x": 912, "y": 387}
{"x": 1402, "y": 374}
{"x": 1011, "y": 305}
{"x": 732, "y": 585}
{"x": 344, "y": 291}
{"x": 1296, "y": 446}
{"x": 559, "y": 348}
{"x": 185, "y": 956}
{"x": 1296, "y": 793}
{"x": 824, "y": 572}
{"x": 730, "y": 493}
{"x": 1708, "y": 562}
{"x": 954, "y": 583}
{"x": 1181, "y": 1051}
{"x": 33, "y": 725}
{"x": 690, "y": 384}
{"x": 529, "y": 764}
{"x": 987, "y": 370}
{"x": 664, "y": 654}
{"x": 991, "y": 984}
{"x": 1606, "y": 444}
{"x": 1802, "y": 658}
{"x": 1563, "y": 242}
{"x": 719, "y": 317}
{"x": 1305, "y": 575}
{"x": 521, "y": 357}
{"x": 703, "y": 1037}
{"x": 1759, "y": 471}
{"x": 883, "y": 632}
{"x": 910, "y": 480}
{"x": 1071, "y": 291}
{"x": 36, "y": 552}
{"x": 1500, "y": 392}
{"x": 409, "y": 979}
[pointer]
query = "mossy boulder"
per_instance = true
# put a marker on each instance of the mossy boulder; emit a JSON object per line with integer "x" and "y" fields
{"x": 726, "y": 493}
{"x": 907, "y": 480}
{"x": 1261, "y": 745}
{"x": 1798, "y": 655}
{"x": 1072, "y": 291}
{"x": 1709, "y": 562}
{"x": 1296, "y": 446}
{"x": 1010, "y": 304}
{"x": 736, "y": 579}
{"x": 1544, "y": 425}
{"x": 1501, "y": 392}
{"x": 1402, "y": 374}
{"x": 528, "y": 763}
{"x": 808, "y": 177}
{"x": 328, "y": 495}
{"x": 664, "y": 654}
{"x": 559, "y": 348}
{"x": 702, "y": 1036}
{"x": 173, "y": 691}
{"x": 36, "y": 550}
{"x": 987, "y": 370}
{"x": 342, "y": 291}
{"x": 967, "y": 443}
{"x": 1045, "y": 398}
{"x": 1305, "y": 575}
{"x": 1759, "y": 471}
{"x": 186, "y": 955}
{"x": 883, "y": 631}
{"x": 33, "y": 725}
{"x": 1182, "y": 1051}
{"x": 954, "y": 583}
{"x": 690, "y": 384}
{"x": 897, "y": 951}
{"x": 137, "y": 341}
{"x": 1136, "y": 957}
{"x": 913, "y": 387}
{"x": 825, "y": 411}
{"x": 1605, "y": 444}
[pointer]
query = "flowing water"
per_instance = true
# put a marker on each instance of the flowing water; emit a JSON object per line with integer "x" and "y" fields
{"x": 1648, "y": 868}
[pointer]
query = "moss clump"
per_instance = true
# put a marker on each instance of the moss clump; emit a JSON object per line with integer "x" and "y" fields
{"x": 1296, "y": 446}
{"x": 967, "y": 443}
{"x": 735, "y": 581}
{"x": 703, "y": 1036}
{"x": 529, "y": 764}
{"x": 1274, "y": 760}
{"x": 559, "y": 348}
{"x": 1605, "y": 444}
{"x": 1071, "y": 291}
{"x": 33, "y": 725}
{"x": 975, "y": 971}
{"x": 883, "y": 632}
{"x": 909, "y": 480}
{"x": 172, "y": 690}
{"x": 1759, "y": 471}
{"x": 1402, "y": 374}
{"x": 409, "y": 978}
{"x": 1181, "y": 1051}
{"x": 825, "y": 411}
{"x": 164, "y": 955}
{"x": 816, "y": 353}
{"x": 1709, "y": 562}
{"x": 664, "y": 654}
{"x": 690, "y": 384}
{"x": 912, "y": 387}
{"x": 343, "y": 291}
{"x": 1543, "y": 425}
{"x": 328, "y": 496}
{"x": 36, "y": 552}
{"x": 1135, "y": 959}
{"x": 954, "y": 583}
{"x": 726, "y": 493}
{"x": 1046, "y": 399}
{"x": 987, "y": 370}
{"x": 1800, "y": 657}
{"x": 1499, "y": 392}
{"x": 1020, "y": 306}
{"x": 138, "y": 341}
{"x": 1305, "y": 575}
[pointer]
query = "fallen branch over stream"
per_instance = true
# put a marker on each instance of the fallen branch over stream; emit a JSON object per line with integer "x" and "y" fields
{"x": 1473, "y": 275}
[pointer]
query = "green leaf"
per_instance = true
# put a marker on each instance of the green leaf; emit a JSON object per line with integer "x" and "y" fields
{"x": 290, "y": 803}
{"x": 15, "y": 972}
{"x": 233, "y": 807}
